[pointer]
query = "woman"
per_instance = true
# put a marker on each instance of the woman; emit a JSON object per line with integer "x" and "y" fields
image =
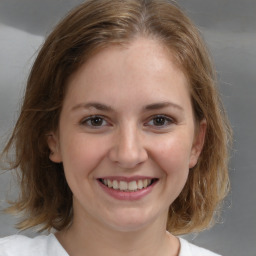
{"x": 121, "y": 141}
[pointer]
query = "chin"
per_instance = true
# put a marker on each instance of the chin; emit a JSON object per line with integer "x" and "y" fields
{"x": 131, "y": 221}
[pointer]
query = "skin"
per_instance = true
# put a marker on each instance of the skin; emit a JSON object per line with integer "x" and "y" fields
{"x": 133, "y": 82}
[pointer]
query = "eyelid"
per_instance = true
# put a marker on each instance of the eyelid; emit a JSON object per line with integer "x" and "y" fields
{"x": 170, "y": 120}
{"x": 84, "y": 121}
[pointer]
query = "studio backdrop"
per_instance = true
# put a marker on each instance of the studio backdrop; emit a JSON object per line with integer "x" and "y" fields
{"x": 229, "y": 28}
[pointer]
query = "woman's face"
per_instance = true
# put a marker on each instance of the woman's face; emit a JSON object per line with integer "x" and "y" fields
{"x": 126, "y": 136}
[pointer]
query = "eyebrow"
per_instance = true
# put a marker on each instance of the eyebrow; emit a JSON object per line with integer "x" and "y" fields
{"x": 161, "y": 105}
{"x": 103, "y": 107}
{"x": 95, "y": 105}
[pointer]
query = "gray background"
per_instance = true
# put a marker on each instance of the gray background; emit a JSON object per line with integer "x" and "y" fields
{"x": 229, "y": 28}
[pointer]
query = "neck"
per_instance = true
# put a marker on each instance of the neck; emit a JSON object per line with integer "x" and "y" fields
{"x": 92, "y": 238}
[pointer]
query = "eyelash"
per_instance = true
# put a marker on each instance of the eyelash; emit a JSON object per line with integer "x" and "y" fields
{"x": 167, "y": 121}
{"x": 91, "y": 118}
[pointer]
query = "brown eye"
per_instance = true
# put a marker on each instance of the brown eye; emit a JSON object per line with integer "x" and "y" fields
{"x": 94, "y": 122}
{"x": 160, "y": 121}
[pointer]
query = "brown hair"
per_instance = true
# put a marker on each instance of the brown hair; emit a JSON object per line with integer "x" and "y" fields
{"x": 45, "y": 197}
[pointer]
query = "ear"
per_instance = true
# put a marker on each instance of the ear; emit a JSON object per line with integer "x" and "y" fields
{"x": 53, "y": 144}
{"x": 198, "y": 143}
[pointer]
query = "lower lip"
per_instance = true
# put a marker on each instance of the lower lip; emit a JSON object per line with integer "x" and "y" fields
{"x": 128, "y": 196}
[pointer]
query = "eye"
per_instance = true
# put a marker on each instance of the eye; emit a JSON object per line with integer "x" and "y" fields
{"x": 160, "y": 121}
{"x": 94, "y": 122}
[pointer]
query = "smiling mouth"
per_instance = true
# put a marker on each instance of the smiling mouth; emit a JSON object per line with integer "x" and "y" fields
{"x": 126, "y": 186}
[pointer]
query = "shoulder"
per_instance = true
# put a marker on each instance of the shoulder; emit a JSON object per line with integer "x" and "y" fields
{"x": 25, "y": 246}
{"x": 188, "y": 249}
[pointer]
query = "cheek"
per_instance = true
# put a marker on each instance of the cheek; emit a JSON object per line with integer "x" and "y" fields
{"x": 173, "y": 156}
{"x": 81, "y": 155}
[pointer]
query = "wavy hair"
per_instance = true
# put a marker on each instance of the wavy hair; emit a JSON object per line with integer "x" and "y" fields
{"x": 45, "y": 197}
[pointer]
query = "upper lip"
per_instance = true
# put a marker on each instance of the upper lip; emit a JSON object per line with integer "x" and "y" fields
{"x": 127, "y": 179}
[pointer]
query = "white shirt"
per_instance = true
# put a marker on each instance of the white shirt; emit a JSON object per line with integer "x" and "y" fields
{"x": 18, "y": 245}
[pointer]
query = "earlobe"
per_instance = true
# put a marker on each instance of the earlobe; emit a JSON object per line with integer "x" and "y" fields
{"x": 198, "y": 143}
{"x": 53, "y": 144}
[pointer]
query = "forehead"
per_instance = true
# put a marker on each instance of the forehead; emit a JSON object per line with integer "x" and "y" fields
{"x": 144, "y": 67}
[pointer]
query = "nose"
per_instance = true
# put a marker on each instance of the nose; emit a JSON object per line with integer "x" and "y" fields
{"x": 128, "y": 150}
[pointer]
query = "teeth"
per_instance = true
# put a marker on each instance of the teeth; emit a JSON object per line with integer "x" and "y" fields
{"x": 127, "y": 186}
{"x": 123, "y": 185}
{"x": 132, "y": 185}
{"x": 140, "y": 184}
{"x": 115, "y": 184}
{"x": 109, "y": 183}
